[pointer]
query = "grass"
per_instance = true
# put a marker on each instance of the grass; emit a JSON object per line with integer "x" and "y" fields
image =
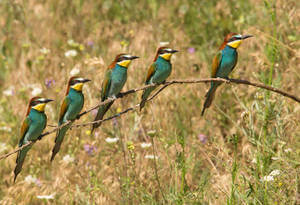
{"x": 226, "y": 157}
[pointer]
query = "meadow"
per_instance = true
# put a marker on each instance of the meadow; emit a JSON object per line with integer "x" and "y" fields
{"x": 246, "y": 148}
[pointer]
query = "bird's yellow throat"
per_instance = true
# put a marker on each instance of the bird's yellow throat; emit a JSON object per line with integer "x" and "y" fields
{"x": 40, "y": 107}
{"x": 78, "y": 86}
{"x": 124, "y": 63}
{"x": 166, "y": 56}
{"x": 235, "y": 44}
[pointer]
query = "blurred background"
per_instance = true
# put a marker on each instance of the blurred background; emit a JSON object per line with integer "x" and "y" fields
{"x": 246, "y": 148}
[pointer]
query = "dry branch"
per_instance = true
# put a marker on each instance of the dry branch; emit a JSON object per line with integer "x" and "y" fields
{"x": 166, "y": 84}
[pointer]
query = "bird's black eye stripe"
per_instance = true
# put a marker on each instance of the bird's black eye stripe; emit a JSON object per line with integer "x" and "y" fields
{"x": 234, "y": 38}
{"x": 33, "y": 103}
{"x": 121, "y": 58}
{"x": 163, "y": 51}
{"x": 74, "y": 81}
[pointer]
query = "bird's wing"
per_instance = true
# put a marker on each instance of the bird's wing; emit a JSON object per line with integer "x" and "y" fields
{"x": 24, "y": 129}
{"x": 216, "y": 64}
{"x": 151, "y": 72}
{"x": 236, "y": 59}
{"x": 63, "y": 109}
{"x": 106, "y": 85}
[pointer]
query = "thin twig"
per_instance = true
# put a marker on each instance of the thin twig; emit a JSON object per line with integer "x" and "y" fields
{"x": 166, "y": 84}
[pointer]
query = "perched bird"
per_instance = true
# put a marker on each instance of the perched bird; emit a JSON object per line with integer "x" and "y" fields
{"x": 32, "y": 128}
{"x": 69, "y": 109}
{"x": 114, "y": 80}
{"x": 223, "y": 63}
{"x": 158, "y": 72}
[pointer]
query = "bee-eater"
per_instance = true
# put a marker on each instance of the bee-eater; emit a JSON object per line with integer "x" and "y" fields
{"x": 32, "y": 128}
{"x": 158, "y": 72}
{"x": 69, "y": 110}
{"x": 114, "y": 80}
{"x": 223, "y": 63}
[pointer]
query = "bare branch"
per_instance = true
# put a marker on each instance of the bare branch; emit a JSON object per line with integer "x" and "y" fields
{"x": 166, "y": 84}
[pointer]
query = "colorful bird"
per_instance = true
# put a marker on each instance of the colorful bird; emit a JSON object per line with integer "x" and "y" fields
{"x": 32, "y": 128}
{"x": 223, "y": 63}
{"x": 114, "y": 80}
{"x": 70, "y": 109}
{"x": 158, "y": 72}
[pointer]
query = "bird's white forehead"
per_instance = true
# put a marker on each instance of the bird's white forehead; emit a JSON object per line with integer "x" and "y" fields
{"x": 79, "y": 79}
{"x": 168, "y": 49}
{"x": 127, "y": 56}
{"x": 42, "y": 99}
{"x": 238, "y": 36}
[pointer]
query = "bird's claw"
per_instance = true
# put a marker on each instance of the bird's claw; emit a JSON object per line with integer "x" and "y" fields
{"x": 120, "y": 95}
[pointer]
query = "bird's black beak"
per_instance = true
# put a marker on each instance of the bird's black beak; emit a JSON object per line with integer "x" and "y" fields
{"x": 133, "y": 57}
{"x": 48, "y": 100}
{"x": 174, "y": 51}
{"x": 86, "y": 80}
{"x": 246, "y": 36}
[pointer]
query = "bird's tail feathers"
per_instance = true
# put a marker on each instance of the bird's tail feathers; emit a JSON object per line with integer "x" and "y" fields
{"x": 210, "y": 95}
{"x": 100, "y": 114}
{"x": 58, "y": 140}
{"x": 145, "y": 96}
{"x": 20, "y": 160}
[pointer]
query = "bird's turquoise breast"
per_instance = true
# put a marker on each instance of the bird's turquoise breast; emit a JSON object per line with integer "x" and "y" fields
{"x": 75, "y": 105}
{"x": 37, "y": 125}
{"x": 163, "y": 70}
{"x": 229, "y": 59}
{"x": 118, "y": 80}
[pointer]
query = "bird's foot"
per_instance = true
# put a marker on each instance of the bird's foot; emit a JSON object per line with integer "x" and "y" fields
{"x": 113, "y": 98}
{"x": 120, "y": 95}
{"x": 227, "y": 79}
{"x": 78, "y": 117}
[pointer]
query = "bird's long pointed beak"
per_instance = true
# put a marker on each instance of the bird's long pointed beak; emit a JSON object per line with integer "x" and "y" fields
{"x": 174, "y": 51}
{"x": 246, "y": 36}
{"x": 133, "y": 57}
{"x": 48, "y": 100}
{"x": 86, "y": 80}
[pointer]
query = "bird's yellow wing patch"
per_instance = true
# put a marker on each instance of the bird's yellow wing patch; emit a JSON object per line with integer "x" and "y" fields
{"x": 106, "y": 85}
{"x": 63, "y": 108}
{"x": 24, "y": 129}
{"x": 216, "y": 64}
{"x": 151, "y": 72}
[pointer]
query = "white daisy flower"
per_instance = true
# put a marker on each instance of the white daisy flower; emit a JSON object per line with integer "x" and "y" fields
{"x": 145, "y": 145}
{"x": 51, "y": 196}
{"x": 274, "y": 173}
{"x": 111, "y": 140}
{"x": 36, "y": 91}
{"x": 30, "y": 179}
{"x": 68, "y": 159}
{"x": 71, "y": 53}
{"x": 164, "y": 43}
{"x": 9, "y": 91}
{"x": 288, "y": 150}
{"x": 5, "y": 128}
{"x": 268, "y": 178}
{"x": 3, "y": 147}
{"x": 75, "y": 71}
{"x": 45, "y": 50}
{"x": 151, "y": 157}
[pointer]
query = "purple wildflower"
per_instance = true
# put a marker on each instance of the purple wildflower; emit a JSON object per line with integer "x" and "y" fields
{"x": 202, "y": 138}
{"x": 115, "y": 122}
{"x": 89, "y": 149}
{"x": 94, "y": 112}
{"x": 191, "y": 50}
{"x": 90, "y": 43}
{"x": 38, "y": 182}
{"x": 49, "y": 82}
